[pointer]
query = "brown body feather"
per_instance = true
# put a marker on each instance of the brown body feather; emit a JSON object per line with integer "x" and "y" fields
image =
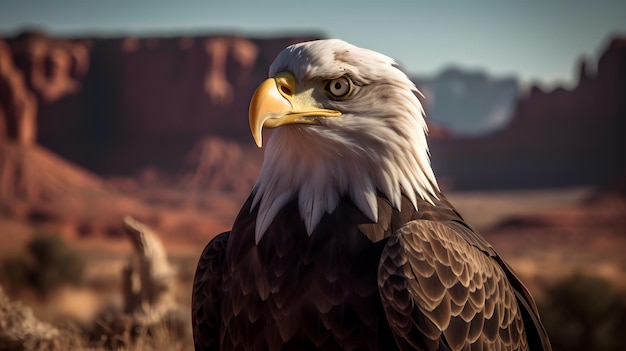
{"x": 415, "y": 280}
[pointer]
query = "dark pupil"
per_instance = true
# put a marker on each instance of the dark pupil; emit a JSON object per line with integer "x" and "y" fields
{"x": 337, "y": 85}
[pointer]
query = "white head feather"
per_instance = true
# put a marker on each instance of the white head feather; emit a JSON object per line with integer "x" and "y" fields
{"x": 378, "y": 144}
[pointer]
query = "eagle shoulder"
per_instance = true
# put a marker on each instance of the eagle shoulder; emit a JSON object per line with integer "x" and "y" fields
{"x": 442, "y": 289}
{"x": 206, "y": 294}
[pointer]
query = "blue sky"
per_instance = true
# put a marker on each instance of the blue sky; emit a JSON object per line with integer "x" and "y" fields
{"x": 535, "y": 40}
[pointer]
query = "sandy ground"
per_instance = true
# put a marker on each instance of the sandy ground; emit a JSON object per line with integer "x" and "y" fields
{"x": 485, "y": 209}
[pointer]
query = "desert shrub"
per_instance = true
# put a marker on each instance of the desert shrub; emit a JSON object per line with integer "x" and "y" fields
{"x": 47, "y": 264}
{"x": 114, "y": 330}
{"x": 584, "y": 313}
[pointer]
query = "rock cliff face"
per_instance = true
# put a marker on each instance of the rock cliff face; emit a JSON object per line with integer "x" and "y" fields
{"x": 557, "y": 138}
{"x": 18, "y": 106}
{"x": 117, "y": 106}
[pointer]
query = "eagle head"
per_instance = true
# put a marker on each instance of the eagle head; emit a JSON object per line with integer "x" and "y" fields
{"x": 348, "y": 124}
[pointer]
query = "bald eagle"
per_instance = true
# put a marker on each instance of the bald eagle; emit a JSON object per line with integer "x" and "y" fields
{"x": 346, "y": 241}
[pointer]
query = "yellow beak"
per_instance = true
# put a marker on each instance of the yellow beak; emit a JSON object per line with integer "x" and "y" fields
{"x": 275, "y": 103}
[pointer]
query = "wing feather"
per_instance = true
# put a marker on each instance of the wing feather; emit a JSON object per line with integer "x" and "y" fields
{"x": 459, "y": 295}
{"x": 205, "y": 300}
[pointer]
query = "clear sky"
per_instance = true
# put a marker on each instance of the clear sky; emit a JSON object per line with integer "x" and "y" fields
{"x": 534, "y": 39}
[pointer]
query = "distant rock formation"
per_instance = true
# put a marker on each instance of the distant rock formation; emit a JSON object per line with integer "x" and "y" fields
{"x": 468, "y": 103}
{"x": 52, "y": 67}
{"x": 34, "y": 174}
{"x": 118, "y": 106}
{"x": 51, "y": 193}
{"x": 18, "y": 106}
{"x": 215, "y": 163}
{"x": 612, "y": 194}
{"x": 557, "y": 138}
{"x": 216, "y": 84}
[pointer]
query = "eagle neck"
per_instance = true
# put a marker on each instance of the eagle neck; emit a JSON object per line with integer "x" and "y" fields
{"x": 319, "y": 174}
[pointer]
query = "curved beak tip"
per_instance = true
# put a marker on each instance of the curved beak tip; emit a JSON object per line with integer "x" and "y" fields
{"x": 258, "y": 139}
{"x": 266, "y": 100}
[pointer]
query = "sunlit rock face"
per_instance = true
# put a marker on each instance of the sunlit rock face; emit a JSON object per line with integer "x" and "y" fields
{"x": 119, "y": 106}
{"x": 562, "y": 137}
{"x": 155, "y": 98}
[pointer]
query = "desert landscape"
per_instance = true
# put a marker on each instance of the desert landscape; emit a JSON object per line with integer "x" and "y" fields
{"x": 111, "y": 145}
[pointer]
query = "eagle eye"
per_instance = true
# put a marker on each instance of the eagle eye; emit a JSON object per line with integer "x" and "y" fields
{"x": 339, "y": 87}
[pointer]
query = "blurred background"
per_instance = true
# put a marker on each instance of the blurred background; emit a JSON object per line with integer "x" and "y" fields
{"x": 124, "y": 148}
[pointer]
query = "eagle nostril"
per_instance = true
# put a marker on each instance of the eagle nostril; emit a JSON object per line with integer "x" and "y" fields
{"x": 286, "y": 90}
